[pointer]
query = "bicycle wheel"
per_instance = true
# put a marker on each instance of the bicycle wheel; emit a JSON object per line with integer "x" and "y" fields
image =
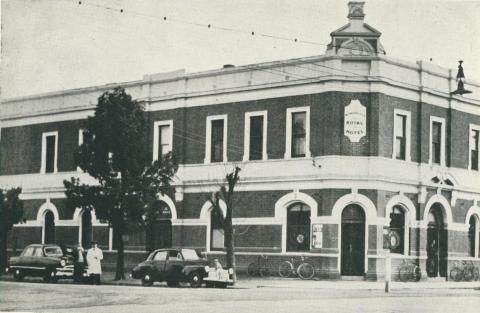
{"x": 252, "y": 269}
{"x": 467, "y": 274}
{"x": 265, "y": 269}
{"x": 476, "y": 274}
{"x": 455, "y": 274}
{"x": 404, "y": 273}
{"x": 306, "y": 271}
{"x": 285, "y": 269}
{"x": 416, "y": 273}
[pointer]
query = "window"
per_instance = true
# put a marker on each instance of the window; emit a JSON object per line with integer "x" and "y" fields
{"x": 217, "y": 233}
{"x": 473, "y": 235}
{"x": 255, "y": 142}
{"x": 474, "y": 147}
{"x": 49, "y": 227}
{"x": 28, "y": 251}
{"x": 38, "y": 252}
{"x": 401, "y": 136}
{"x": 160, "y": 256}
{"x": 162, "y": 138}
{"x": 298, "y": 133}
{"x": 49, "y": 152}
{"x": 437, "y": 141}
{"x": 298, "y": 227}
{"x": 174, "y": 255}
{"x": 397, "y": 229}
{"x": 216, "y": 136}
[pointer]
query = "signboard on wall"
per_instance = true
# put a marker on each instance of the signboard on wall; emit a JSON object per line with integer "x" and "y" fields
{"x": 317, "y": 236}
{"x": 355, "y": 121}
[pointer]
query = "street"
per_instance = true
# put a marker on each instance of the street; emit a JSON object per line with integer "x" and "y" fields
{"x": 247, "y": 297}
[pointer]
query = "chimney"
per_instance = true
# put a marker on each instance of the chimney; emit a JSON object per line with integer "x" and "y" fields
{"x": 355, "y": 13}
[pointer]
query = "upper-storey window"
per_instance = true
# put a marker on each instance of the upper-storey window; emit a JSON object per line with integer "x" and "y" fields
{"x": 437, "y": 141}
{"x": 255, "y": 145}
{"x": 401, "y": 137}
{"x": 49, "y": 152}
{"x": 162, "y": 138}
{"x": 474, "y": 147}
{"x": 298, "y": 132}
{"x": 216, "y": 145}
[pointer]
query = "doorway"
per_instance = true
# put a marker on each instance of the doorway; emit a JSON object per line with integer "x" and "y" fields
{"x": 436, "y": 243}
{"x": 353, "y": 241}
{"x": 86, "y": 229}
{"x": 49, "y": 227}
{"x": 159, "y": 226}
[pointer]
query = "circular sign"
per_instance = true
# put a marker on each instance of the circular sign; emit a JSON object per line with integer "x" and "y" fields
{"x": 300, "y": 238}
{"x": 394, "y": 239}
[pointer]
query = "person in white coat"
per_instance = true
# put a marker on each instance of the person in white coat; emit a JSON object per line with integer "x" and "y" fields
{"x": 94, "y": 258}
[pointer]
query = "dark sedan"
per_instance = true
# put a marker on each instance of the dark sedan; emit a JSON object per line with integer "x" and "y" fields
{"x": 173, "y": 266}
{"x": 41, "y": 260}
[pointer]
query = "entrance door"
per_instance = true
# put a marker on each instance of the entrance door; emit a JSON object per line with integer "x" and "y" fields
{"x": 49, "y": 227}
{"x": 159, "y": 230}
{"x": 353, "y": 241}
{"x": 436, "y": 243}
{"x": 86, "y": 229}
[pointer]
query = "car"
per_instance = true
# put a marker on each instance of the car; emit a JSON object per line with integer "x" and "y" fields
{"x": 42, "y": 260}
{"x": 172, "y": 266}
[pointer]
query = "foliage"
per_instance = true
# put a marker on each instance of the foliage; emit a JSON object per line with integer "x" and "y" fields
{"x": 11, "y": 212}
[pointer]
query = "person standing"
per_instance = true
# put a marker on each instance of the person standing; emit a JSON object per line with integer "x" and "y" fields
{"x": 94, "y": 258}
{"x": 78, "y": 264}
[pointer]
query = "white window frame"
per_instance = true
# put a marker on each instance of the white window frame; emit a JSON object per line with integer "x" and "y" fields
{"x": 156, "y": 134}
{"x": 208, "y": 137}
{"x": 408, "y": 133}
{"x": 288, "y": 139}
{"x": 44, "y": 152}
{"x": 440, "y": 120}
{"x": 470, "y": 130}
{"x": 246, "y": 144}
{"x": 80, "y": 142}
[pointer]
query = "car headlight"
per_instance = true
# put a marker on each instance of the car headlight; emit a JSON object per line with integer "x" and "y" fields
{"x": 230, "y": 271}
{"x": 63, "y": 263}
{"x": 207, "y": 268}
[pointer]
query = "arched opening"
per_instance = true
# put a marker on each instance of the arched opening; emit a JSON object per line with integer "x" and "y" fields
{"x": 398, "y": 230}
{"x": 217, "y": 233}
{"x": 473, "y": 235}
{"x": 298, "y": 227}
{"x": 353, "y": 241}
{"x": 437, "y": 239}
{"x": 159, "y": 226}
{"x": 86, "y": 230}
{"x": 49, "y": 227}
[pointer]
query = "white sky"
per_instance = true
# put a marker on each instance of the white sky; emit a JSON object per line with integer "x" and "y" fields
{"x": 50, "y": 45}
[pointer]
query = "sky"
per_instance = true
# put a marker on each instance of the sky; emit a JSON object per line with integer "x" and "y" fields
{"x": 52, "y": 45}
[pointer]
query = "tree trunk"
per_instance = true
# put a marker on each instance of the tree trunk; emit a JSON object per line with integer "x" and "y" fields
{"x": 230, "y": 247}
{"x": 3, "y": 251}
{"x": 118, "y": 243}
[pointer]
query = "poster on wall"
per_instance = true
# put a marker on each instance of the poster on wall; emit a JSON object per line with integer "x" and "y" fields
{"x": 355, "y": 121}
{"x": 317, "y": 236}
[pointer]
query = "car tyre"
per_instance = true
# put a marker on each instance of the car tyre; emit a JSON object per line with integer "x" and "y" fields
{"x": 50, "y": 276}
{"x": 172, "y": 283}
{"x": 195, "y": 280}
{"x": 209, "y": 284}
{"x": 221, "y": 285}
{"x": 147, "y": 280}
{"x": 18, "y": 276}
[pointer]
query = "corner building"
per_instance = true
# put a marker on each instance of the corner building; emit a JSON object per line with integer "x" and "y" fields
{"x": 337, "y": 152}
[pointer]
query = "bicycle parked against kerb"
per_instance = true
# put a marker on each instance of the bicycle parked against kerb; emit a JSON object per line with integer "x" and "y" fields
{"x": 262, "y": 267}
{"x": 464, "y": 270}
{"x": 296, "y": 266}
{"x": 409, "y": 271}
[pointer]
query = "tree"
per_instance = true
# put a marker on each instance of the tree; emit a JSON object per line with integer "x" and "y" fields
{"x": 227, "y": 194}
{"x": 11, "y": 212}
{"x": 115, "y": 153}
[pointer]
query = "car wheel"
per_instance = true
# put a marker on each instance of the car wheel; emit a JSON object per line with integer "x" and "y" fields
{"x": 195, "y": 280}
{"x": 172, "y": 283}
{"x": 209, "y": 284}
{"x": 50, "y": 276}
{"x": 147, "y": 280}
{"x": 18, "y": 276}
{"x": 221, "y": 285}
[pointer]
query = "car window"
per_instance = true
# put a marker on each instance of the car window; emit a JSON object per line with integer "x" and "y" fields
{"x": 160, "y": 256}
{"x": 174, "y": 255}
{"x": 53, "y": 251}
{"x": 190, "y": 254}
{"x": 28, "y": 251}
{"x": 38, "y": 252}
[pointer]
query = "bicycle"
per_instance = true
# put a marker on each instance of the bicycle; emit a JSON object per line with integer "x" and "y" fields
{"x": 464, "y": 270}
{"x": 409, "y": 271}
{"x": 301, "y": 268}
{"x": 261, "y": 267}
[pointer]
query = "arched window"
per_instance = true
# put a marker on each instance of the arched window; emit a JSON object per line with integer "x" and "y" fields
{"x": 49, "y": 227}
{"x": 473, "y": 235}
{"x": 298, "y": 227}
{"x": 397, "y": 229}
{"x": 217, "y": 234}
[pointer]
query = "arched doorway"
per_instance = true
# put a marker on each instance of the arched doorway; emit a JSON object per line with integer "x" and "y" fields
{"x": 473, "y": 235}
{"x": 86, "y": 229}
{"x": 159, "y": 226}
{"x": 49, "y": 227}
{"x": 298, "y": 227}
{"x": 436, "y": 242}
{"x": 353, "y": 241}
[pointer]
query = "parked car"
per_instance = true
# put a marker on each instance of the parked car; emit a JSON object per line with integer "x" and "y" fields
{"x": 42, "y": 260}
{"x": 172, "y": 266}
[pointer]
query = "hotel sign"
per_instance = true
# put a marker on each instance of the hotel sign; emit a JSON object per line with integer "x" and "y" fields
{"x": 355, "y": 125}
